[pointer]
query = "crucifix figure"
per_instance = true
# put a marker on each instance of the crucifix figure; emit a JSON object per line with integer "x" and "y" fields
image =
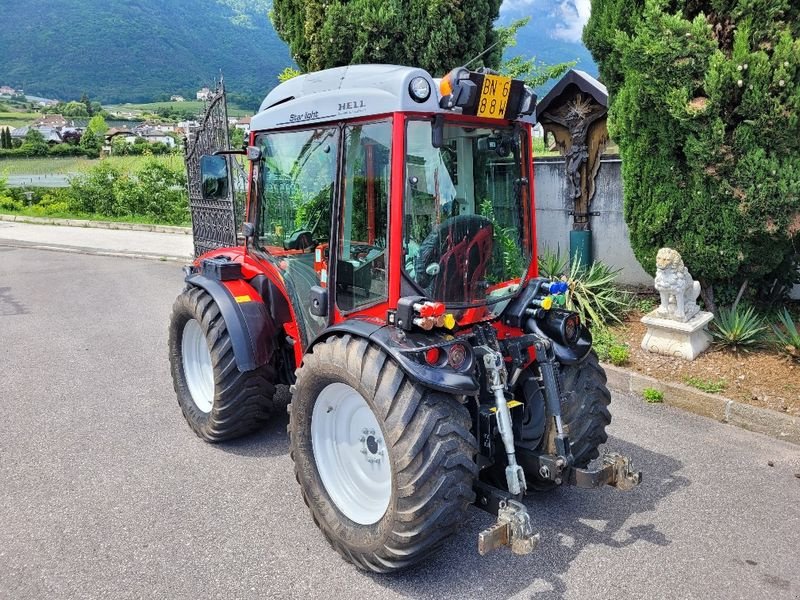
{"x": 575, "y": 113}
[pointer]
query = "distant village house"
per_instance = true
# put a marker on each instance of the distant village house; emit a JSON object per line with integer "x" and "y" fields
{"x": 204, "y": 94}
{"x": 243, "y": 123}
{"x": 177, "y": 98}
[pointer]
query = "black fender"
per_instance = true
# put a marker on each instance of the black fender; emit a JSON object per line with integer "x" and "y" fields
{"x": 249, "y": 324}
{"x": 403, "y": 347}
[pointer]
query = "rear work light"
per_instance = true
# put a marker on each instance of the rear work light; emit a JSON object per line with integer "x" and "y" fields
{"x": 572, "y": 329}
{"x": 457, "y": 356}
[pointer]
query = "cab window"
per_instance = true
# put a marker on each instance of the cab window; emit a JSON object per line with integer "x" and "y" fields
{"x": 361, "y": 278}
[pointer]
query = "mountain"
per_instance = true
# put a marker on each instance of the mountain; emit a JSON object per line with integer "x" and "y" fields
{"x": 145, "y": 50}
{"x": 136, "y": 51}
{"x": 553, "y": 34}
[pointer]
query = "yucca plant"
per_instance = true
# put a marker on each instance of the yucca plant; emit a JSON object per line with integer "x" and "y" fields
{"x": 551, "y": 265}
{"x": 738, "y": 328}
{"x": 787, "y": 337}
{"x": 592, "y": 293}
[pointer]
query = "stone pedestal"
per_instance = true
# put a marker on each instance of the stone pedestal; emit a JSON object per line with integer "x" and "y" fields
{"x": 675, "y": 338}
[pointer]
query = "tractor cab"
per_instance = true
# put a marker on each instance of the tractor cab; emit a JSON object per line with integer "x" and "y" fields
{"x": 372, "y": 183}
{"x": 386, "y": 271}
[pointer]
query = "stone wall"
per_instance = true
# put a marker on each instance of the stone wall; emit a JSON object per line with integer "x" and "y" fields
{"x": 609, "y": 232}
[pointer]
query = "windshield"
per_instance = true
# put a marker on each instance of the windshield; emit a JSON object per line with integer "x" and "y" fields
{"x": 464, "y": 230}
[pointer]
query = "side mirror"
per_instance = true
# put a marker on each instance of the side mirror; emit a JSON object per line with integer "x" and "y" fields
{"x": 248, "y": 230}
{"x": 319, "y": 301}
{"x": 437, "y": 131}
{"x": 214, "y": 177}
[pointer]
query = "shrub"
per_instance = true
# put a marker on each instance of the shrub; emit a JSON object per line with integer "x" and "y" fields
{"x": 787, "y": 337}
{"x": 154, "y": 191}
{"x": 704, "y": 99}
{"x": 653, "y": 395}
{"x": 66, "y": 150}
{"x": 8, "y": 203}
{"x": 738, "y": 328}
{"x": 619, "y": 355}
{"x": 93, "y": 192}
{"x": 608, "y": 347}
{"x": 51, "y": 204}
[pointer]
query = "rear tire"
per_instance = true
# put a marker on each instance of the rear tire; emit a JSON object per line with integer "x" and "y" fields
{"x": 218, "y": 401}
{"x": 584, "y": 415}
{"x": 424, "y": 490}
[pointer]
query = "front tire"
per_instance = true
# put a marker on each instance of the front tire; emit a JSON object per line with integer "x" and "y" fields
{"x": 218, "y": 401}
{"x": 385, "y": 465}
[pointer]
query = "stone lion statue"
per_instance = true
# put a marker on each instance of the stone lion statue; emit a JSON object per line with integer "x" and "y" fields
{"x": 678, "y": 290}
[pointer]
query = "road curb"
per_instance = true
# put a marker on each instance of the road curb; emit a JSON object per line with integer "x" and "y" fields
{"x": 97, "y": 224}
{"x": 761, "y": 420}
{"x": 96, "y": 251}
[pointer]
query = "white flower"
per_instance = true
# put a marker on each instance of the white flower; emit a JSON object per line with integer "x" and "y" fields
{"x": 781, "y": 83}
{"x": 739, "y": 68}
{"x": 740, "y": 83}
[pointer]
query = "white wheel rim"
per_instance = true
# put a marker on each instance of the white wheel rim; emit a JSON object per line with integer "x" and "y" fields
{"x": 350, "y": 454}
{"x": 197, "y": 367}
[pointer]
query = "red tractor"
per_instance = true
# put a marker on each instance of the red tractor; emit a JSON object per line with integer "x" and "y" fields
{"x": 387, "y": 273}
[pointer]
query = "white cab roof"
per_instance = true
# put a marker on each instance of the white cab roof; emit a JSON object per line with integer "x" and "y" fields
{"x": 343, "y": 93}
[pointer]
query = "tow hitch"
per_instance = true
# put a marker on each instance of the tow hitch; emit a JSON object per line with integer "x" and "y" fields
{"x": 514, "y": 527}
{"x": 617, "y": 471}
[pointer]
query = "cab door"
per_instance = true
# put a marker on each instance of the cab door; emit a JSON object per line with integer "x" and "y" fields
{"x": 361, "y": 278}
{"x": 296, "y": 191}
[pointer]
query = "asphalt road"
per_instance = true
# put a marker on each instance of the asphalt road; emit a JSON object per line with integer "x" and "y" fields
{"x": 105, "y": 493}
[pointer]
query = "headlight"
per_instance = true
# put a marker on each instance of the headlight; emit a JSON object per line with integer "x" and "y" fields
{"x": 420, "y": 89}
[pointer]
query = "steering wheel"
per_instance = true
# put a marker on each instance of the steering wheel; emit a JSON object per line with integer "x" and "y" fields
{"x": 449, "y": 232}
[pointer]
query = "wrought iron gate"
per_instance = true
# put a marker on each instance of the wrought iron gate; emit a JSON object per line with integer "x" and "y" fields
{"x": 215, "y": 223}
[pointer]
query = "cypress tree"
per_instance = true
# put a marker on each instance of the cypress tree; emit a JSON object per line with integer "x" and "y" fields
{"x": 436, "y": 35}
{"x": 705, "y": 107}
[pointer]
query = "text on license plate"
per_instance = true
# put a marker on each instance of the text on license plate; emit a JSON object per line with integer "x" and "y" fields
{"x": 494, "y": 96}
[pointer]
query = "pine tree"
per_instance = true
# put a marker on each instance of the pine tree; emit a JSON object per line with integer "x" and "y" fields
{"x": 87, "y": 103}
{"x": 436, "y": 35}
{"x": 705, "y": 107}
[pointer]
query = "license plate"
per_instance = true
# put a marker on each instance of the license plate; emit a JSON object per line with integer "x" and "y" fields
{"x": 494, "y": 96}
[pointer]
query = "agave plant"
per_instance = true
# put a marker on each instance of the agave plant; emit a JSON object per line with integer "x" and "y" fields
{"x": 738, "y": 328}
{"x": 786, "y": 335}
{"x": 592, "y": 292}
{"x": 551, "y": 265}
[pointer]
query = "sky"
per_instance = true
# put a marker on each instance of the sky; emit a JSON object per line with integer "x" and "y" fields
{"x": 565, "y": 18}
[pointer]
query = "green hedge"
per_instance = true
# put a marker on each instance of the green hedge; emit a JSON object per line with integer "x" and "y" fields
{"x": 705, "y": 107}
{"x": 154, "y": 193}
